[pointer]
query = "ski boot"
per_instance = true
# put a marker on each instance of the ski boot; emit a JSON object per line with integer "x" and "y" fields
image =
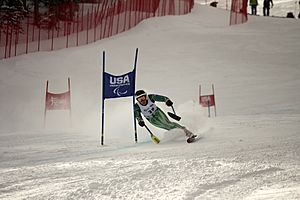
{"x": 190, "y": 135}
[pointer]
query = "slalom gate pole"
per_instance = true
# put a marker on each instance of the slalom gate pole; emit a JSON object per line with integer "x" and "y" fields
{"x": 102, "y": 129}
{"x": 215, "y": 107}
{"x": 208, "y": 108}
{"x": 70, "y": 111}
{"x": 45, "y": 111}
{"x": 133, "y": 97}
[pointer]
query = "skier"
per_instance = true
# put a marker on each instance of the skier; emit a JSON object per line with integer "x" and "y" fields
{"x": 146, "y": 105}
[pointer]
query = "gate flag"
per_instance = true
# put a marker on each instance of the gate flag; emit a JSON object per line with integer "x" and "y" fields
{"x": 119, "y": 86}
{"x": 58, "y": 101}
{"x": 207, "y": 100}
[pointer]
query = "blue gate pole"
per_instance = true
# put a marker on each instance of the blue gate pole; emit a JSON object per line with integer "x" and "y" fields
{"x": 133, "y": 97}
{"x": 102, "y": 131}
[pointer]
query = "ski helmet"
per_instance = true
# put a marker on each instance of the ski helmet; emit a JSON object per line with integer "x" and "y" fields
{"x": 140, "y": 93}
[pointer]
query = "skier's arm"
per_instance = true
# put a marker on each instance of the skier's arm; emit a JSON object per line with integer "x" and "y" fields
{"x": 157, "y": 97}
{"x": 137, "y": 113}
{"x": 138, "y": 116}
{"x": 160, "y": 98}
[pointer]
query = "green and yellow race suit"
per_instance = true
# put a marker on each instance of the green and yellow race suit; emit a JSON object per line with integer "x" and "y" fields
{"x": 154, "y": 114}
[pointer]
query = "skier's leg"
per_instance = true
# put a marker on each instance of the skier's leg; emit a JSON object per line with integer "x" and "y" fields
{"x": 160, "y": 120}
{"x": 165, "y": 120}
{"x": 188, "y": 133}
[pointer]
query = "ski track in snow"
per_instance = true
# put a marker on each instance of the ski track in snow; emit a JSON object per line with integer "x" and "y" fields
{"x": 206, "y": 169}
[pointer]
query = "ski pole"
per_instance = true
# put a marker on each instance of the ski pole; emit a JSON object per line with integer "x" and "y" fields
{"x": 153, "y": 137}
{"x": 173, "y": 110}
{"x": 173, "y": 115}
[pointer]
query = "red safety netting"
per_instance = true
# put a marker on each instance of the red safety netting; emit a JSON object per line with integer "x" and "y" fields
{"x": 88, "y": 23}
{"x": 238, "y": 12}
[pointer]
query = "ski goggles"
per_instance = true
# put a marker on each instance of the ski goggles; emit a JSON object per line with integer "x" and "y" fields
{"x": 141, "y": 97}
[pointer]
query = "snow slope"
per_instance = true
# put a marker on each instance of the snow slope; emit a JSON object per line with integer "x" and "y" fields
{"x": 249, "y": 151}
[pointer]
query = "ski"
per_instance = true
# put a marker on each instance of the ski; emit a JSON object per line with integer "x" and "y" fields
{"x": 191, "y": 139}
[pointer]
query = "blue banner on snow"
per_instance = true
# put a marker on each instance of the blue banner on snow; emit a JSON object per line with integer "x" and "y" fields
{"x": 119, "y": 86}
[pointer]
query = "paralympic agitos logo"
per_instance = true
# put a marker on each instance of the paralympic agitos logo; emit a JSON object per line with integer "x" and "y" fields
{"x": 120, "y": 84}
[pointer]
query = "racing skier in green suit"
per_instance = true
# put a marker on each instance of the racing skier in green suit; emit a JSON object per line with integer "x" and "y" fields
{"x": 146, "y": 105}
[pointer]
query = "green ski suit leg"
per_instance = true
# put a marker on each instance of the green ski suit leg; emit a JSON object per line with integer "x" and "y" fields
{"x": 160, "y": 120}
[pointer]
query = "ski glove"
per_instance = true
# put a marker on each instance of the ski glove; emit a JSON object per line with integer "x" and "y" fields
{"x": 142, "y": 123}
{"x": 169, "y": 102}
